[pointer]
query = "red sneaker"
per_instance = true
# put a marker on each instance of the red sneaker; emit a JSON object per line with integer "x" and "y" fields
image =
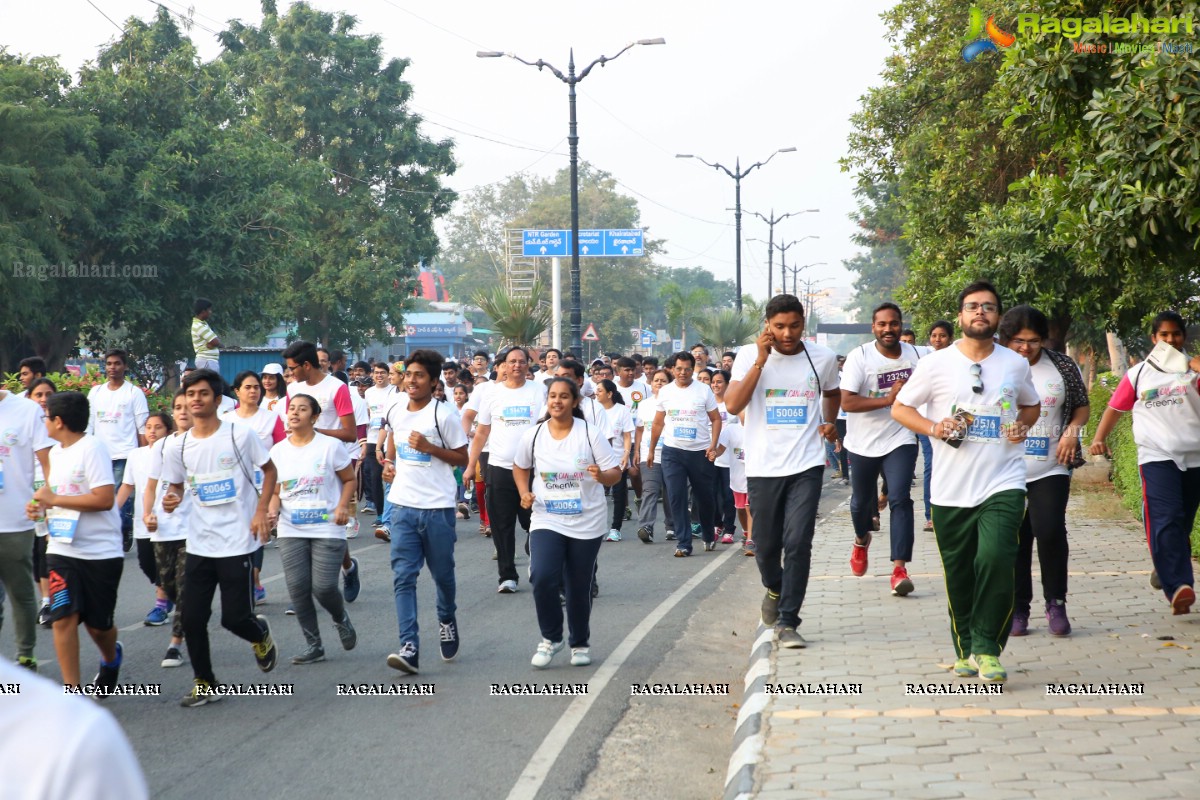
{"x": 858, "y": 557}
{"x": 901, "y": 583}
{"x": 1181, "y": 603}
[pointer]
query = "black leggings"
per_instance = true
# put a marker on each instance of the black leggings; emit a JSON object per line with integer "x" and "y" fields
{"x": 620, "y": 496}
{"x": 1045, "y": 521}
{"x": 146, "y": 561}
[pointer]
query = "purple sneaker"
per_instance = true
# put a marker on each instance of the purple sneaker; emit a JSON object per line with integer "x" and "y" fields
{"x": 1020, "y": 624}
{"x": 1056, "y": 616}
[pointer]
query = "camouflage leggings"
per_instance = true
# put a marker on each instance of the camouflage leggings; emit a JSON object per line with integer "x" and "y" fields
{"x": 171, "y": 558}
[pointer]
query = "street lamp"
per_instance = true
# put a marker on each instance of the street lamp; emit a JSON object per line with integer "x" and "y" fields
{"x": 771, "y": 246}
{"x": 570, "y": 79}
{"x": 737, "y": 173}
{"x": 796, "y": 271}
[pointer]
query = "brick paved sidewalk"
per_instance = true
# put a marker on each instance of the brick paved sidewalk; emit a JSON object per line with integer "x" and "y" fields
{"x": 1023, "y": 743}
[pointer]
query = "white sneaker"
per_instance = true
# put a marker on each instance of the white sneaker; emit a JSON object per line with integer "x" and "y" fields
{"x": 580, "y": 657}
{"x": 614, "y": 535}
{"x": 546, "y": 651}
{"x": 352, "y": 528}
{"x": 509, "y": 587}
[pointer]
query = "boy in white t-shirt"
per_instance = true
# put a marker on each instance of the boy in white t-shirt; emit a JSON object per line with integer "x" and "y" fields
{"x": 215, "y": 461}
{"x": 981, "y": 402}
{"x": 83, "y": 555}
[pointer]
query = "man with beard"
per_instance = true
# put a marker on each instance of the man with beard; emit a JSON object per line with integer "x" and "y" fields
{"x": 981, "y": 402}
{"x": 873, "y": 376}
{"x": 789, "y": 391}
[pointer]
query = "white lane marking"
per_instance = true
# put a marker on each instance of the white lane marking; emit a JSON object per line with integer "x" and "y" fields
{"x": 534, "y": 775}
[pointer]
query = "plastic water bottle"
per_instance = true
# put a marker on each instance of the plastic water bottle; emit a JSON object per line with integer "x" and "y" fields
{"x": 1008, "y": 417}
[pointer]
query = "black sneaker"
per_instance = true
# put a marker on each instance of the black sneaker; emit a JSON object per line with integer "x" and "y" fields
{"x": 448, "y": 633}
{"x": 106, "y": 678}
{"x": 127, "y": 539}
{"x": 353, "y": 584}
{"x": 770, "y": 608}
{"x": 265, "y": 652}
{"x": 645, "y": 534}
{"x": 406, "y": 660}
{"x": 789, "y": 638}
{"x": 311, "y": 655}
{"x": 44, "y": 616}
{"x": 173, "y": 658}
{"x": 346, "y": 632}
{"x": 202, "y": 694}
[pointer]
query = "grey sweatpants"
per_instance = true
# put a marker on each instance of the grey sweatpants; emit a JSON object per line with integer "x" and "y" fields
{"x": 311, "y": 568}
{"x": 652, "y": 489}
{"x": 16, "y": 574}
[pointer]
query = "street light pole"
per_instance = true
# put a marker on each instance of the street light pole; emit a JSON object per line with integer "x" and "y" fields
{"x": 737, "y": 173}
{"x": 570, "y": 79}
{"x": 772, "y": 221}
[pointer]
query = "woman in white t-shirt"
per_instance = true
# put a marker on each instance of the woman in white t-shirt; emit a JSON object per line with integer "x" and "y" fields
{"x": 133, "y": 482}
{"x": 652, "y": 477}
{"x": 560, "y": 468}
{"x": 1166, "y": 430}
{"x": 310, "y": 508}
{"x": 274, "y": 397}
{"x": 620, "y": 425}
{"x": 1051, "y": 448}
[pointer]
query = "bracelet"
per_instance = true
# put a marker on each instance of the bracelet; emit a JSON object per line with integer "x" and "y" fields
{"x": 931, "y": 429}
{"x": 759, "y": 366}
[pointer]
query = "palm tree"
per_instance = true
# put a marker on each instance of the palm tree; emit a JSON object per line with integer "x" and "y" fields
{"x": 518, "y": 320}
{"x": 727, "y": 328}
{"x": 682, "y": 308}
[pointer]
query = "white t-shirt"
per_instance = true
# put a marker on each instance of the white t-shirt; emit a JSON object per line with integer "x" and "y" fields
{"x": 277, "y": 406}
{"x": 91, "y": 757}
{"x": 728, "y": 421}
{"x": 478, "y": 396}
{"x": 620, "y": 421}
{"x": 870, "y": 374}
{"x": 309, "y": 488}
{"x": 362, "y": 419}
{"x": 117, "y": 416}
{"x": 422, "y": 480}
{"x": 266, "y": 425}
{"x": 1041, "y": 446}
{"x": 75, "y": 471}
{"x": 378, "y": 402}
{"x": 331, "y": 395}
{"x": 633, "y": 394}
{"x": 686, "y": 425}
{"x": 737, "y": 458}
{"x": 567, "y": 499}
{"x": 171, "y": 527}
{"x": 510, "y": 412}
{"x": 986, "y": 462}
{"x": 219, "y": 472}
{"x": 645, "y": 419}
{"x": 22, "y": 433}
{"x": 783, "y": 416}
{"x": 137, "y": 471}
{"x": 225, "y": 404}
{"x": 1166, "y": 414}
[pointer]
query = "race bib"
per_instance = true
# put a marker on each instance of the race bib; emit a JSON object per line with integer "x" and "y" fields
{"x": 411, "y": 457}
{"x": 563, "y": 493}
{"x": 985, "y": 428}
{"x": 214, "y": 488}
{"x": 376, "y": 423}
{"x": 258, "y": 479}
{"x": 517, "y": 415}
{"x": 685, "y": 433}
{"x": 787, "y": 409}
{"x": 886, "y": 380}
{"x": 1037, "y": 447}
{"x": 62, "y": 524}
{"x": 308, "y": 512}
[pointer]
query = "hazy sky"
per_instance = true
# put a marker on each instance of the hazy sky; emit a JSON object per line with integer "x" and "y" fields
{"x": 735, "y": 79}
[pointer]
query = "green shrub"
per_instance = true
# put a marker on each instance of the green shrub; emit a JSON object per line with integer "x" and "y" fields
{"x": 66, "y": 382}
{"x": 1125, "y": 475}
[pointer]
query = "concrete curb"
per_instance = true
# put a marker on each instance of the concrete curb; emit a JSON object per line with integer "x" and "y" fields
{"x": 749, "y": 736}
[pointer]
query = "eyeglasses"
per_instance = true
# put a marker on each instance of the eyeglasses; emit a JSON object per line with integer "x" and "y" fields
{"x": 1026, "y": 342}
{"x": 977, "y": 378}
{"x": 988, "y": 308}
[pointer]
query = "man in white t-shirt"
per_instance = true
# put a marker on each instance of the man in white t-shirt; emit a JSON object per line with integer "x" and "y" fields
{"x": 981, "y": 402}
{"x": 689, "y": 424}
{"x": 25, "y": 443}
{"x": 873, "y": 375}
{"x": 504, "y": 415}
{"x": 425, "y": 444}
{"x": 118, "y": 419}
{"x": 553, "y": 357}
{"x": 379, "y": 396}
{"x": 789, "y": 393}
{"x": 215, "y": 461}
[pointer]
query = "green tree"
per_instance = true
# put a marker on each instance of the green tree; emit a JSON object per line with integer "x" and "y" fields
{"x": 309, "y": 82}
{"x": 881, "y": 270}
{"x": 519, "y": 320}
{"x": 683, "y": 307}
{"x": 725, "y": 327}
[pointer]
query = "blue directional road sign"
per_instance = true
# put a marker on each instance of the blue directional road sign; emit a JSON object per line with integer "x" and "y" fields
{"x": 601, "y": 243}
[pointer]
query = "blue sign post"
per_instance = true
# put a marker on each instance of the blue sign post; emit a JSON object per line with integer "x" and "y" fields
{"x": 600, "y": 243}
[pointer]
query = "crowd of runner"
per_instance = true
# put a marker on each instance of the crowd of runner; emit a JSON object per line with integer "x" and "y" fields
{"x": 537, "y": 444}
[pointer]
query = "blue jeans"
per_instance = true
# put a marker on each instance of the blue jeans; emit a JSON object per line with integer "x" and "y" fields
{"x": 680, "y": 468}
{"x": 1172, "y": 497}
{"x": 386, "y": 515}
{"x": 118, "y": 466}
{"x": 927, "y": 455}
{"x": 422, "y": 535}
{"x": 897, "y": 468}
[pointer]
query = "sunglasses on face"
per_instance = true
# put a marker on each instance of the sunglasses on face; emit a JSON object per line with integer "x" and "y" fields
{"x": 977, "y": 378}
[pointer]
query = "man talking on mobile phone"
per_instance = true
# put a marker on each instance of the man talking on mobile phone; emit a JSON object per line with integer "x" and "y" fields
{"x": 790, "y": 393}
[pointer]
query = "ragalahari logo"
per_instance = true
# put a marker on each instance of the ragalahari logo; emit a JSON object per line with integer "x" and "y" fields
{"x": 982, "y": 37}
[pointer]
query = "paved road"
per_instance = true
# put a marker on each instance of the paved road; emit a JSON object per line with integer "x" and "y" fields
{"x": 459, "y": 742}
